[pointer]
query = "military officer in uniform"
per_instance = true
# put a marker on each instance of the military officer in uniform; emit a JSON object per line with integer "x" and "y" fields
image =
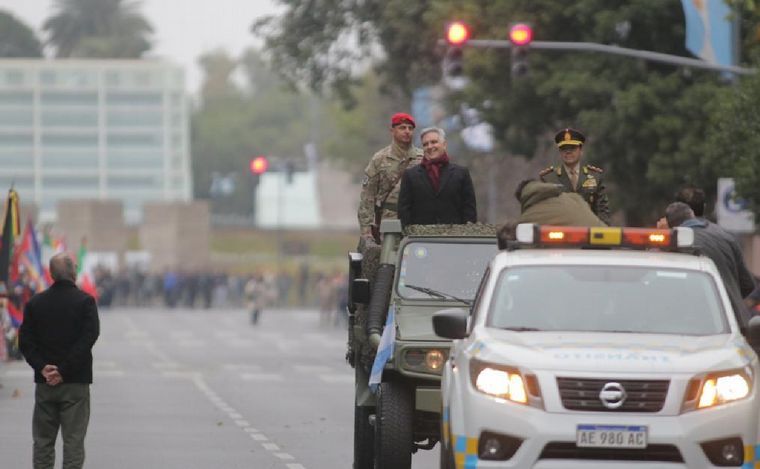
{"x": 584, "y": 179}
{"x": 382, "y": 177}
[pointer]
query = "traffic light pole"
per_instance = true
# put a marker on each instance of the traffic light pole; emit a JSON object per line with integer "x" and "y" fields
{"x": 615, "y": 50}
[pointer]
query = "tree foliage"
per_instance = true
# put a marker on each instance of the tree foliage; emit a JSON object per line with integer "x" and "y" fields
{"x": 16, "y": 38}
{"x": 98, "y": 29}
{"x": 733, "y": 147}
{"x": 646, "y": 122}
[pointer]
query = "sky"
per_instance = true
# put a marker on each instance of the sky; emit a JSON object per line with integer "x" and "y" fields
{"x": 183, "y": 29}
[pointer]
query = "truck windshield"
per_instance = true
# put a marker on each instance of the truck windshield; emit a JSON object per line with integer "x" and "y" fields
{"x": 607, "y": 299}
{"x": 444, "y": 269}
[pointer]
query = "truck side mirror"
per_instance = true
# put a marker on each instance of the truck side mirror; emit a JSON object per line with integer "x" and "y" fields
{"x": 360, "y": 291}
{"x": 451, "y": 323}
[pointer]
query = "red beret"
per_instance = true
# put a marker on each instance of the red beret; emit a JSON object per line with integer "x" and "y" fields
{"x": 400, "y": 117}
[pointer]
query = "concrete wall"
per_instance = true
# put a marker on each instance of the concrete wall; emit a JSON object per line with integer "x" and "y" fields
{"x": 100, "y": 222}
{"x": 176, "y": 234}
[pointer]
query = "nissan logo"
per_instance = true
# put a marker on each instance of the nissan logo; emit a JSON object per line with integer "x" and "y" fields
{"x": 612, "y": 395}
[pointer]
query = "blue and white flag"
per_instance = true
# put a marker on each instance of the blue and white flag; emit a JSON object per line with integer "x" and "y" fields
{"x": 384, "y": 350}
{"x": 709, "y": 30}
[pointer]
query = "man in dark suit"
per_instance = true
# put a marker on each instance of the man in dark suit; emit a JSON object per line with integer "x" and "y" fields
{"x": 60, "y": 327}
{"x": 436, "y": 191}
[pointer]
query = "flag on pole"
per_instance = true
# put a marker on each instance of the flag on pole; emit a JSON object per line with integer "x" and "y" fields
{"x": 384, "y": 350}
{"x": 84, "y": 279}
{"x": 29, "y": 257}
{"x": 11, "y": 231}
{"x": 709, "y": 30}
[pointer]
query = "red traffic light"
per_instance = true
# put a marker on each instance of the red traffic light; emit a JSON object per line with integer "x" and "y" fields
{"x": 259, "y": 164}
{"x": 520, "y": 34}
{"x": 457, "y": 33}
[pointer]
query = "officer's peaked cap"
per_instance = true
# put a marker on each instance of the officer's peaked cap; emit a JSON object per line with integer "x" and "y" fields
{"x": 569, "y": 136}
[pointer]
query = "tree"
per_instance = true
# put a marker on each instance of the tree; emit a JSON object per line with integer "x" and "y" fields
{"x": 98, "y": 29}
{"x": 732, "y": 145}
{"x": 16, "y": 38}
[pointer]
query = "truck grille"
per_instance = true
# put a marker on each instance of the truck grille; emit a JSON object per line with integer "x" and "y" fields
{"x": 642, "y": 395}
{"x": 562, "y": 450}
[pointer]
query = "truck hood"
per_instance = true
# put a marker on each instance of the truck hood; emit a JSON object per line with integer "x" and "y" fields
{"x": 613, "y": 352}
{"x": 417, "y": 323}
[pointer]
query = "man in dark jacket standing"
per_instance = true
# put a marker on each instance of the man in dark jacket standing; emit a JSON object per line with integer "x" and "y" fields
{"x": 60, "y": 327}
{"x": 436, "y": 191}
{"x": 724, "y": 252}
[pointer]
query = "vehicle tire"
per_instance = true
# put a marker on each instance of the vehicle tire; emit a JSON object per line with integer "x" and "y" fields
{"x": 364, "y": 438}
{"x": 394, "y": 423}
{"x": 380, "y": 298}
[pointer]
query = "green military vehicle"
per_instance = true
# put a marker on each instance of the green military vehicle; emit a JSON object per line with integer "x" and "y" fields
{"x": 416, "y": 273}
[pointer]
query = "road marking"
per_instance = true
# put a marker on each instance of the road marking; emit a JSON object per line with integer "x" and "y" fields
{"x": 261, "y": 377}
{"x": 237, "y": 418}
{"x": 241, "y": 367}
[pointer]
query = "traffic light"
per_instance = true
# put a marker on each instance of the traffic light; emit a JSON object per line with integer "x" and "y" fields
{"x": 258, "y": 166}
{"x": 453, "y": 63}
{"x": 520, "y": 35}
{"x": 457, "y": 34}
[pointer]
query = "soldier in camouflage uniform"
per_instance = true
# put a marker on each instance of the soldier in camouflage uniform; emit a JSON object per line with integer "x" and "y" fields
{"x": 583, "y": 179}
{"x": 382, "y": 177}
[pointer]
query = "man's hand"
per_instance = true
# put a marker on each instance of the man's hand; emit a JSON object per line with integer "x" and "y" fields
{"x": 51, "y": 375}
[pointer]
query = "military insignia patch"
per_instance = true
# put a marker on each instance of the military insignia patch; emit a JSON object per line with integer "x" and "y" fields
{"x": 546, "y": 171}
{"x": 589, "y": 183}
{"x": 365, "y": 181}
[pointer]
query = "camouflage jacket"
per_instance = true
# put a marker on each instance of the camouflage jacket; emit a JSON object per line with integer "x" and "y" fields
{"x": 590, "y": 187}
{"x": 381, "y": 183}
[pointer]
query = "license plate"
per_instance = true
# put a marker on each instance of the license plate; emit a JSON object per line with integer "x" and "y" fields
{"x": 611, "y": 436}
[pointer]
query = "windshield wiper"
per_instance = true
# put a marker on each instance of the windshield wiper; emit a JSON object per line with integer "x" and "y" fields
{"x": 438, "y": 294}
{"x": 521, "y": 329}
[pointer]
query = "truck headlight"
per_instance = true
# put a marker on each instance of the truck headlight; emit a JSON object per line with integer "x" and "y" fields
{"x": 425, "y": 360}
{"x": 504, "y": 382}
{"x": 718, "y": 388}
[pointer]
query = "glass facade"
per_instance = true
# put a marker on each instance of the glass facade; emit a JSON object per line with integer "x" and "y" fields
{"x": 94, "y": 129}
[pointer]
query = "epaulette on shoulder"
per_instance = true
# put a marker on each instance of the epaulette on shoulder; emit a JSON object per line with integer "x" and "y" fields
{"x": 594, "y": 168}
{"x": 546, "y": 171}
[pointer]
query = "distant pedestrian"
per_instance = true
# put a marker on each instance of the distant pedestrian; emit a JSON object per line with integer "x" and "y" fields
{"x": 59, "y": 330}
{"x": 437, "y": 191}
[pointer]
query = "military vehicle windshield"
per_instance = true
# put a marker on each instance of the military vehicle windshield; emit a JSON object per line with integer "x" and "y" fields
{"x": 443, "y": 271}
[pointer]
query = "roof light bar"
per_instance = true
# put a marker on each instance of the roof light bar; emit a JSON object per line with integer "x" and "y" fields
{"x": 577, "y": 236}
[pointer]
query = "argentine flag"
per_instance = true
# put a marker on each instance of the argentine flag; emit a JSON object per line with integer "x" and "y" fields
{"x": 709, "y": 30}
{"x": 384, "y": 350}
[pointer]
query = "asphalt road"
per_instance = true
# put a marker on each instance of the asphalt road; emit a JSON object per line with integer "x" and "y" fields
{"x": 191, "y": 389}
